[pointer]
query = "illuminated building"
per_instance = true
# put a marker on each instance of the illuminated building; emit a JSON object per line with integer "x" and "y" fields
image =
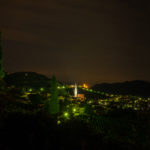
{"x": 85, "y": 86}
{"x": 81, "y": 96}
{"x": 75, "y": 91}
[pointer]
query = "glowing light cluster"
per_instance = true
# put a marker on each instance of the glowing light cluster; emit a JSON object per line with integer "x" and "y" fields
{"x": 85, "y": 86}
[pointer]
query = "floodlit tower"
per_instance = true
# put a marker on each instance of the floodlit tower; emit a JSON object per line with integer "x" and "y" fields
{"x": 75, "y": 91}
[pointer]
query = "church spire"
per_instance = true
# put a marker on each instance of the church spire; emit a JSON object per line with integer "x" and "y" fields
{"x": 75, "y": 90}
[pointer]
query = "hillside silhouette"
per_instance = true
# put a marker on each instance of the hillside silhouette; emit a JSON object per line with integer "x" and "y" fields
{"x": 137, "y": 88}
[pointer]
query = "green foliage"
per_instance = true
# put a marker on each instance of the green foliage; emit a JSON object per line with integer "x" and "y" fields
{"x": 36, "y": 99}
{"x": 121, "y": 127}
{"x": 54, "y": 101}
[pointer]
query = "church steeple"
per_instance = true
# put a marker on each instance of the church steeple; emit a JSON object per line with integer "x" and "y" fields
{"x": 75, "y": 91}
{"x": 2, "y": 74}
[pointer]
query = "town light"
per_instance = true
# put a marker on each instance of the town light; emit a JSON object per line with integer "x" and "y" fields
{"x": 85, "y": 86}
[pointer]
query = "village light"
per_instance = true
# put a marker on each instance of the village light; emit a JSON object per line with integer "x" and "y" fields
{"x": 66, "y": 114}
{"x": 74, "y": 109}
{"x": 85, "y": 86}
{"x": 63, "y": 87}
{"x": 58, "y": 122}
{"x": 41, "y": 89}
{"x": 30, "y": 90}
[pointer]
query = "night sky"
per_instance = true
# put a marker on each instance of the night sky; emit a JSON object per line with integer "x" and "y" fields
{"x": 89, "y": 41}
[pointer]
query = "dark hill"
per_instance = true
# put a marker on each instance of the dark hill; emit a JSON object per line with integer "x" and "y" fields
{"x": 138, "y": 88}
{"x": 28, "y": 79}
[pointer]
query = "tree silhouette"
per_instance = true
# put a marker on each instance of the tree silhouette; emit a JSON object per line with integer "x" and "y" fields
{"x": 2, "y": 74}
{"x": 54, "y": 101}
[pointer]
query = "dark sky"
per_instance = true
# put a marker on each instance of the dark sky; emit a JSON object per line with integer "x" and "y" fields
{"x": 78, "y": 40}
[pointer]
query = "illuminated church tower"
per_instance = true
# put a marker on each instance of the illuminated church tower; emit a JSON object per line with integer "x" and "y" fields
{"x": 75, "y": 91}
